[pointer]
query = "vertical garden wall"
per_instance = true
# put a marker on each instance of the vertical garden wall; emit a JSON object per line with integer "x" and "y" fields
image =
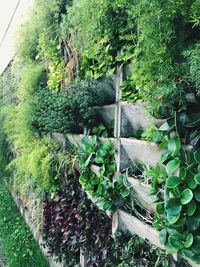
{"x": 100, "y": 126}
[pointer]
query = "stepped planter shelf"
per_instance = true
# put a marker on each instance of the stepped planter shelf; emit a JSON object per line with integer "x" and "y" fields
{"x": 134, "y": 117}
{"x": 139, "y": 151}
{"x": 141, "y": 192}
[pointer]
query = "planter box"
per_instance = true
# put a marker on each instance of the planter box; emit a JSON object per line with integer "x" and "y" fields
{"x": 134, "y": 117}
{"x": 126, "y": 222}
{"x": 107, "y": 114}
{"x": 141, "y": 193}
{"x": 134, "y": 150}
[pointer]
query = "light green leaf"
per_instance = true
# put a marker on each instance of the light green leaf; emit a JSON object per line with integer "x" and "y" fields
{"x": 186, "y": 196}
{"x": 172, "y": 166}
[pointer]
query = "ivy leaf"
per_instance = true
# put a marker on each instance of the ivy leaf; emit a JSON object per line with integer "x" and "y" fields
{"x": 173, "y": 206}
{"x": 175, "y": 242}
{"x": 197, "y": 178}
{"x": 189, "y": 240}
{"x": 197, "y": 194}
{"x": 173, "y": 218}
{"x": 174, "y": 146}
{"x": 173, "y": 181}
{"x": 186, "y": 196}
{"x": 182, "y": 173}
{"x": 172, "y": 166}
{"x": 191, "y": 208}
{"x": 181, "y": 221}
{"x": 83, "y": 179}
{"x": 190, "y": 181}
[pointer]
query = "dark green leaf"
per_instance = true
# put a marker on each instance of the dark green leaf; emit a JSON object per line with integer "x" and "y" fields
{"x": 173, "y": 181}
{"x": 173, "y": 206}
{"x": 197, "y": 178}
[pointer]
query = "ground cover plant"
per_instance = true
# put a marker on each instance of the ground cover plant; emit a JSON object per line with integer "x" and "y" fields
{"x": 19, "y": 246}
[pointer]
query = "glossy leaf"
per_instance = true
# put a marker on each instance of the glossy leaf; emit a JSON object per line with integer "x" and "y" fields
{"x": 186, "y": 196}
{"x": 191, "y": 208}
{"x": 172, "y": 166}
{"x": 174, "y": 146}
{"x": 189, "y": 240}
{"x": 173, "y": 206}
{"x": 173, "y": 181}
{"x": 197, "y": 178}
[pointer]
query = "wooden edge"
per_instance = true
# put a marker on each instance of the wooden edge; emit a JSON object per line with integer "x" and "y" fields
{"x": 134, "y": 226}
{"x": 141, "y": 192}
{"x": 26, "y": 212}
{"x": 126, "y": 222}
{"x": 140, "y": 151}
{"x": 139, "y": 106}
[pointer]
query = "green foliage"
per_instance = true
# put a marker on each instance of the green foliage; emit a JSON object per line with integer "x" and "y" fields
{"x": 19, "y": 246}
{"x": 98, "y": 183}
{"x": 156, "y": 67}
{"x": 99, "y": 31}
{"x": 39, "y": 39}
{"x": 192, "y": 62}
{"x": 70, "y": 110}
{"x": 33, "y": 156}
{"x": 152, "y": 134}
{"x": 177, "y": 213}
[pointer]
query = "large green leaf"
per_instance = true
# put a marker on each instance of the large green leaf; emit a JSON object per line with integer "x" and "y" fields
{"x": 191, "y": 208}
{"x": 175, "y": 242}
{"x": 186, "y": 196}
{"x": 173, "y": 206}
{"x": 181, "y": 221}
{"x": 173, "y": 218}
{"x": 197, "y": 178}
{"x": 174, "y": 146}
{"x": 173, "y": 181}
{"x": 197, "y": 194}
{"x": 188, "y": 241}
{"x": 190, "y": 181}
{"x": 172, "y": 166}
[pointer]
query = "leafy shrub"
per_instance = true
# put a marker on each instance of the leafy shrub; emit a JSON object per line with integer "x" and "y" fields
{"x": 70, "y": 110}
{"x": 107, "y": 195}
{"x": 33, "y": 157}
{"x": 19, "y": 246}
